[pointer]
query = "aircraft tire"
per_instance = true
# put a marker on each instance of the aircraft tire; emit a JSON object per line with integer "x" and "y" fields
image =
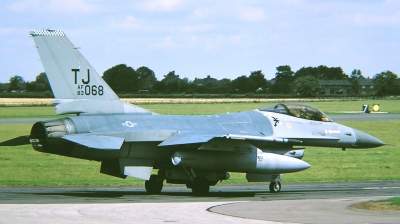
{"x": 189, "y": 185}
{"x": 275, "y": 187}
{"x": 200, "y": 186}
{"x": 154, "y": 185}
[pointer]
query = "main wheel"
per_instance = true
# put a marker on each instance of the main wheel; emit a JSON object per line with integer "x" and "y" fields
{"x": 200, "y": 186}
{"x": 275, "y": 187}
{"x": 154, "y": 185}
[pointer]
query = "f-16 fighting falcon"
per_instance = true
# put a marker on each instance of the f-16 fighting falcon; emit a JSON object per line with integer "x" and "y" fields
{"x": 197, "y": 151}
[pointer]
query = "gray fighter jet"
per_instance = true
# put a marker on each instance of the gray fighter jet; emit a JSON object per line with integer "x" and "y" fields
{"x": 197, "y": 151}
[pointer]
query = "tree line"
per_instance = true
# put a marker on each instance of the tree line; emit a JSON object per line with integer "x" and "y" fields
{"x": 125, "y": 79}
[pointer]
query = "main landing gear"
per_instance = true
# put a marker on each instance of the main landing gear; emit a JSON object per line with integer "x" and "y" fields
{"x": 154, "y": 185}
{"x": 200, "y": 186}
{"x": 275, "y": 187}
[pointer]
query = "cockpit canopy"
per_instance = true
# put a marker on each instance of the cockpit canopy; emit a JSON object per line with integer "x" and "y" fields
{"x": 299, "y": 110}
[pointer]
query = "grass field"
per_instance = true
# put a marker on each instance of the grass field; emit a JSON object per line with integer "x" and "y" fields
{"x": 391, "y": 204}
{"x": 20, "y": 166}
{"x": 391, "y": 106}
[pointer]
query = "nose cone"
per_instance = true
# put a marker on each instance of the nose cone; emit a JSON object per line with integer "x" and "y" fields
{"x": 364, "y": 140}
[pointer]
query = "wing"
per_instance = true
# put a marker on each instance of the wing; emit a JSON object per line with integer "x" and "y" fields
{"x": 188, "y": 138}
{"x": 196, "y": 138}
{"x": 230, "y": 142}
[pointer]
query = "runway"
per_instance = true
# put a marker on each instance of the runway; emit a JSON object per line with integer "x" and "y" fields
{"x": 364, "y": 117}
{"x": 247, "y": 203}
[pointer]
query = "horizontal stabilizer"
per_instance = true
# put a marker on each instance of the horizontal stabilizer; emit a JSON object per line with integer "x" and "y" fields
{"x": 21, "y": 140}
{"x": 96, "y": 141}
{"x": 186, "y": 138}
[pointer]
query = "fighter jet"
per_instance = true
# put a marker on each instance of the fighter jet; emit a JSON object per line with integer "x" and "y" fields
{"x": 198, "y": 151}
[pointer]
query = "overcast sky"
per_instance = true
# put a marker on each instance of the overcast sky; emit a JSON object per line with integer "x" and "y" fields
{"x": 223, "y": 39}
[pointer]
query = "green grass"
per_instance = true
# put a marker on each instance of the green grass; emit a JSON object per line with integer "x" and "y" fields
{"x": 391, "y": 204}
{"x": 330, "y": 164}
{"x": 391, "y": 106}
{"x": 27, "y": 112}
{"x": 393, "y": 201}
{"x": 22, "y": 166}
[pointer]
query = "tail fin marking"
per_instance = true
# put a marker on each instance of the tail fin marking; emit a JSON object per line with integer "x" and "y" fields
{"x": 76, "y": 85}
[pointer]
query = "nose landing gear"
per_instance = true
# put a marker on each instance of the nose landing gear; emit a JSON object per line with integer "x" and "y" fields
{"x": 275, "y": 187}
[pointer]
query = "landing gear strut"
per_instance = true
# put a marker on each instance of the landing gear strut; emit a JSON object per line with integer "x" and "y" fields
{"x": 154, "y": 185}
{"x": 275, "y": 187}
{"x": 200, "y": 186}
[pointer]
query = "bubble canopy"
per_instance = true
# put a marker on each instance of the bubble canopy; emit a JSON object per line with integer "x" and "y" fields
{"x": 299, "y": 110}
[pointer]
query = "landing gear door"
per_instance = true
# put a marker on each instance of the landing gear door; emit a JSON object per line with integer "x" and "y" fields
{"x": 138, "y": 168}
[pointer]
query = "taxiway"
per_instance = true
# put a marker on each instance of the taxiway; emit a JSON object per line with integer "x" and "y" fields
{"x": 248, "y": 203}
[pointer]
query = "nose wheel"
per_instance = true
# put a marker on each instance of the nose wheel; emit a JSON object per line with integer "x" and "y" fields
{"x": 275, "y": 187}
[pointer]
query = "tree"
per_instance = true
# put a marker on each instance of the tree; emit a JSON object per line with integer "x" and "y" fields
{"x": 240, "y": 84}
{"x": 257, "y": 81}
{"x": 171, "y": 83}
{"x": 41, "y": 84}
{"x": 15, "y": 83}
{"x": 386, "y": 83}
{"x": 183, "y": 85}
{"x": 330, "y": 73}
{"x": 159, "y": 87}
{"x": 42, "y": 78}
{"x": 147, "y": 78}
{"x": 170, "y": 77}
{"x": 355, "y": 76}
{"x": 122, "y": 78}
{"x": 307, "y": 71}
{"x": 307, "y": 85}
{"x": 322, "y": 72}
{"x": 283, "y": 77}
{"x": 224, "y": 86}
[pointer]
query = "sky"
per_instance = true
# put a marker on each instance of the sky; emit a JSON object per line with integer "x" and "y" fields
{"x": 222, "y": 39}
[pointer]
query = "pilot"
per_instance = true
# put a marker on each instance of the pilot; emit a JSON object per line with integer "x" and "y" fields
{"x": 324, "y": 119}
{"x": 319, "y": 117}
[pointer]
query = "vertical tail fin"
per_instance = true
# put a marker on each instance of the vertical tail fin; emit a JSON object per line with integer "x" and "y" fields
{"x": 69, "y": 73}
{"x": 76, "y": 85}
